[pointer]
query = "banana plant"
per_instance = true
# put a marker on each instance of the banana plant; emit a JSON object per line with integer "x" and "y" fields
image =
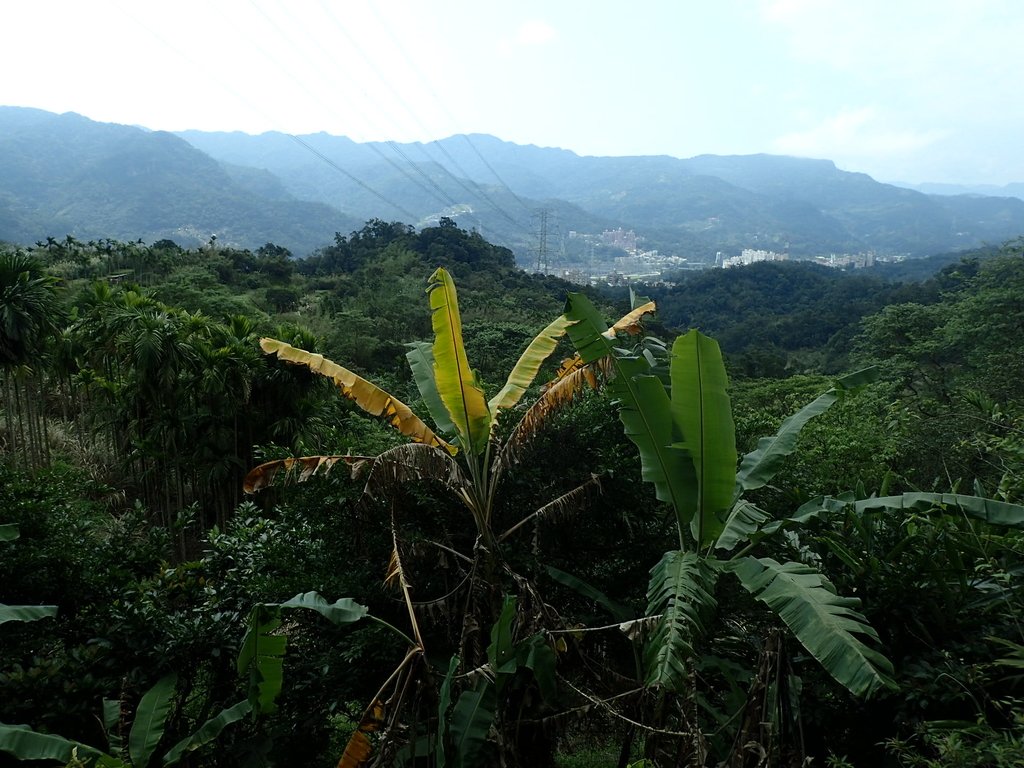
{"x": 148, "y": 727}
{"x": 685, "y": 437}
{"x": 463, "y": 452}
{"x": 459, "y": 409}
{"x": 462, "y": 739}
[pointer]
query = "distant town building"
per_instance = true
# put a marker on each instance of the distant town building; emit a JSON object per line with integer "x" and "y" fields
{"x": 750, "y": 256}
{"x": 620, "y": 238}
{"x": 847, "y": 260}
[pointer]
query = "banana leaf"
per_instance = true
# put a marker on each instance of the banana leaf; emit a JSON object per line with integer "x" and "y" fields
{"x": 456, "y": 383}
{"x": 421, "y": 362}
{"x": 444, "y": 704}
{"x": 150, "y": 719}
{"x": 343, "y": 611}
{"x": 700, "y": 407}
{"x": 262, "y": 658}
{"x": 988, "y": 511}
{"x": 26, "y": 612}
{"x": 681, "y": 591}
{"x": 470, "y": 723}
{"x": 207, "y": 732}
{"x": 618, "y": 611}
{"x": 827, "y": 625}
{"x": 743, "y": 522}
{"x": 529, "y": 363}
{"x": 644, "y": 409}
{"x": 22, "y": 743}
{"x": 365, "y": 394}
{"x": 760, "y": 465}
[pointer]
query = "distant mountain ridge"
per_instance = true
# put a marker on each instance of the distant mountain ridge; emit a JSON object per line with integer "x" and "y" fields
{"x": 699, "y": 205}
{"x": 1015, "y": 189}
{"x": 63, "y": 174}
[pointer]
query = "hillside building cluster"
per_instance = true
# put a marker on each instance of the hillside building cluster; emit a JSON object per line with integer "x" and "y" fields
{"x": 616, "y": 257}
{"x": 748, "y": 256}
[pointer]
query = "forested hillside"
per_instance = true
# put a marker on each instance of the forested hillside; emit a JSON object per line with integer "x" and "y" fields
{"x": 692, "y": 207}
{"x": 62, "y": 174}
{"x": 598, "y": 560}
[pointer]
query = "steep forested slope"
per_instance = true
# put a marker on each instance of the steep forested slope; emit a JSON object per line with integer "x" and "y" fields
{"x": 64, "y": 174}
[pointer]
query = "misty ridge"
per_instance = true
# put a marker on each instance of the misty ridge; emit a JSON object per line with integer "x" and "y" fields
{"x": 66, "y": 174}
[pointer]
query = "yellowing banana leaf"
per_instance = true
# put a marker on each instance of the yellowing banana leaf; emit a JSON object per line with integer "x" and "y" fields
{"x": 554, "y": 397}
{"x": 454, "y": 379}
{"x": 365, "y": 394}
{"x": 630, "y": 322}
{"x": 700, "y": 407}
{"x": 301, "y": 469}
{"x": 529, "y": 363}
{"x": 358, "y": 750}
{"x": 568, "y": 367}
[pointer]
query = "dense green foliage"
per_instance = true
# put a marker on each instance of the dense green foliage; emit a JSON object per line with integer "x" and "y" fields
{"x": 136, "y": 399}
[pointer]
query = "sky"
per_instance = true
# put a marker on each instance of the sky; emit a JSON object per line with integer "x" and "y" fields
{"x": 904, "y": 90}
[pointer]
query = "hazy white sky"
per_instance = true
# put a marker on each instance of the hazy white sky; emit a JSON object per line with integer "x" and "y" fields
{"x": 912, "y": 90}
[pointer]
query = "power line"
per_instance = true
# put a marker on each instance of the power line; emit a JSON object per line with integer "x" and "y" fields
{"x": 387, "y": 84}
{"x": 436, "y": 192}
{"x": 341, "y": 170}
{"x": 259, "y": 110}
{"x": 491, "y": 169}
{"x": 398, "y": 150}
{"x": 437, "y": 99}
{"x": 431, "y": 187}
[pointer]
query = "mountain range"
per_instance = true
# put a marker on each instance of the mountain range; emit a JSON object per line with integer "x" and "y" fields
{"x": 65, "y": 174}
